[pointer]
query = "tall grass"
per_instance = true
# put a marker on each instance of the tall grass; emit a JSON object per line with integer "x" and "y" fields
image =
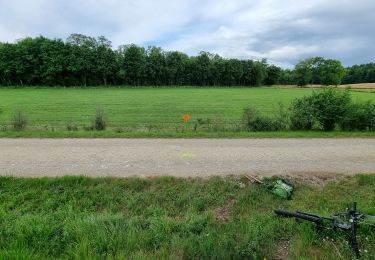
{"x": 170, "y": 218}
{"x": 19, "y": 120}
{"x": 100, "y": 120}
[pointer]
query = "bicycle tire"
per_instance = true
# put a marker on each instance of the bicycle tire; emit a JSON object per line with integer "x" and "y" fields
{"x": 298, "y": 215}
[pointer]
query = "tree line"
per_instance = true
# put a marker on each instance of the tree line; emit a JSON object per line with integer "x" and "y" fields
{"x": 364, "y": 73}
{"x": 87, "y": 61}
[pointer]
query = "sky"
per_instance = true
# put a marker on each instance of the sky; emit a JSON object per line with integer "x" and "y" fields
{"x": 283, "y": 32}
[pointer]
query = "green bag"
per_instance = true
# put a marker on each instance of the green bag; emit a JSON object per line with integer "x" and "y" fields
{"x": 282, "y": 189}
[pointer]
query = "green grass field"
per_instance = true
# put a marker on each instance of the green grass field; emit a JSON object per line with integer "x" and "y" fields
{"x": 144, "y": 110}
{"x": 171, "y": 218}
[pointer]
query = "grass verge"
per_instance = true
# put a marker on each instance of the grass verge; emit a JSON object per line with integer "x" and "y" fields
{"x": 171, "y": 218}
{"x": 110, "y": 133}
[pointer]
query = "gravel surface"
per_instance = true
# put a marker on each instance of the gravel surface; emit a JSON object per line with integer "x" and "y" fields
{"x": 184, "y": 157}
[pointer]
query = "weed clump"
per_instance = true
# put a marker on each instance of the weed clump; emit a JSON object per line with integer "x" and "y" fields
{"x": 71, "y": 127}
{"x": 302, "y": 114}
{"x": 359, "y": 117}
{"x": 18, "y": 121}
{"x": 201, "y": 122}
{"x": 253, "y": 120}
{"x": 99, "y": 121}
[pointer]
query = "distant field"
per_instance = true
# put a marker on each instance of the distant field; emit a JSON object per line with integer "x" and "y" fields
{"x": 360, "y": 86}
{"x": 143, "y": 107}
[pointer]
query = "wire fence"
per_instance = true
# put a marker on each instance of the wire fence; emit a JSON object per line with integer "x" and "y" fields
{"x": 207, "y": 125}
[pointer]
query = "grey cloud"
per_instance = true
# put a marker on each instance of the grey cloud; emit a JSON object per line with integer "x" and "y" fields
{"x": 282, "y": 31}
{"x": 339, "y": 30}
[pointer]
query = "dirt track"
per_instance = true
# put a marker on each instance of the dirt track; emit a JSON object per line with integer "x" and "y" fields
{"x": 184, "y": 157}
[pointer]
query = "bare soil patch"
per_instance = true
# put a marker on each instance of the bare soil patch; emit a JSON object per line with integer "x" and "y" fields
{"x": 222, "y": 214}
{"x": 282, "y": 250}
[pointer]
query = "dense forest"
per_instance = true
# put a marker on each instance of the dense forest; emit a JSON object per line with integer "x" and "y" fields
{"x": 86, "y": 61}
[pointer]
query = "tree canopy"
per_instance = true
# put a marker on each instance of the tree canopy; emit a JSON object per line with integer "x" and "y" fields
{"x": 82, "y": 60}
{"x": 320, "y": 71}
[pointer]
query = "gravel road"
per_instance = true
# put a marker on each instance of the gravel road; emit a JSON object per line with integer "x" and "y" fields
{"x": 184, "y": 157}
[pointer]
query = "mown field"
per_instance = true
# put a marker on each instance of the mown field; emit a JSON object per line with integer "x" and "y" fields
{"x": 129, "y": 107}
{"x": 171, "y": 218}
{"x": 49, "y": 111}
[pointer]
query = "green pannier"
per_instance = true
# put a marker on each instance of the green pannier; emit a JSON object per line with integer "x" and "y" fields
{"x": 282, "y": 189}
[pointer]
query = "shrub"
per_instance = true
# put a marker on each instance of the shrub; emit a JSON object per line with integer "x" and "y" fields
{"x": 359, "y": 117}
{"x": 254, "y": 121}
{"x": 282, "y": 118}
{"x": 302, "y": 114}
{"x": 327, "y": 107}
{"x": 330, "y": 107}
{"x": 100, "y": 120}
{"x": 19, "y": 120}
{"x": 71, "y": 127}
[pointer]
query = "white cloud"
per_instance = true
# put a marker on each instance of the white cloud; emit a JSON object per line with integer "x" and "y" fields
{"x": 282, "y": 31}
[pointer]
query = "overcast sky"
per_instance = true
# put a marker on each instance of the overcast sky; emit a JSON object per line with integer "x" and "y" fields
{"x": 281, "y": 31}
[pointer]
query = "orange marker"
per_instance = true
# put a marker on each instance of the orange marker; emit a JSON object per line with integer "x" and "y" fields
{"x": 186, "y": 117}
